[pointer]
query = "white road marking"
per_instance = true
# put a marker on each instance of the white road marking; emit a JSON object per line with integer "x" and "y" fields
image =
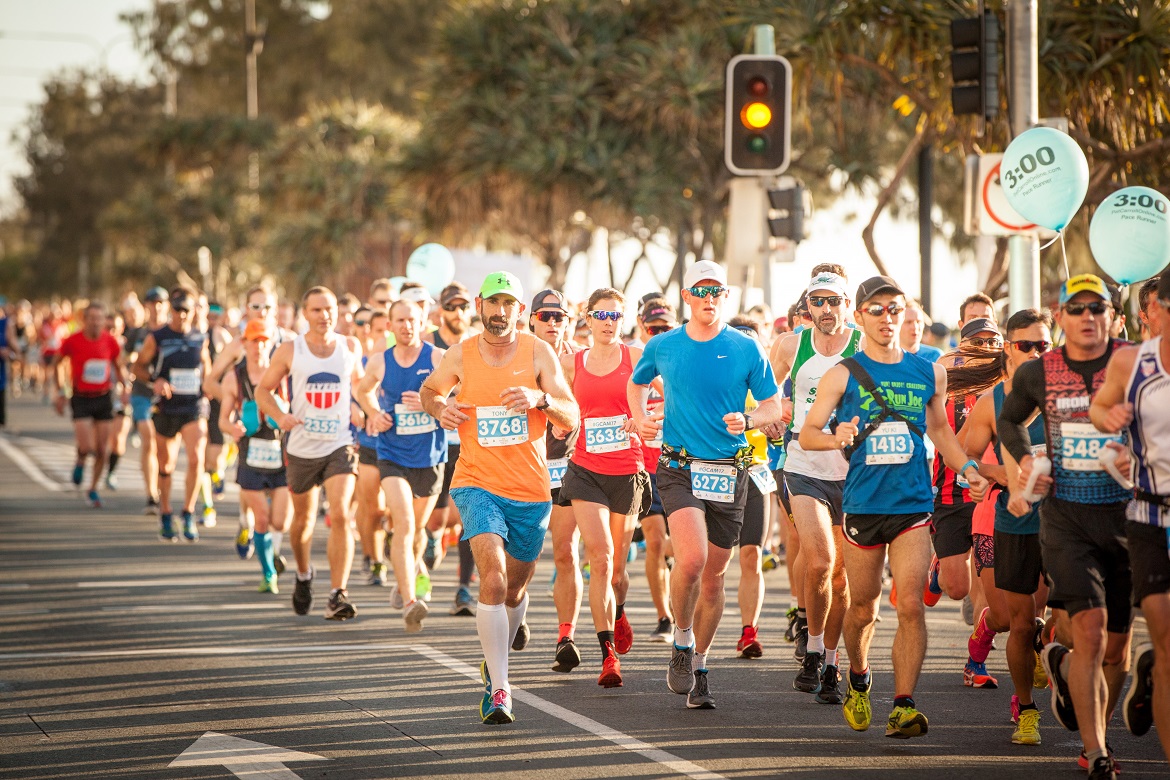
{"x": 243, "y": 757}
{"x": 25, "y": 464}
{"x": 622, "y": 740}
{"x": 163, "y": 583}
{"x": 165, "y": 609}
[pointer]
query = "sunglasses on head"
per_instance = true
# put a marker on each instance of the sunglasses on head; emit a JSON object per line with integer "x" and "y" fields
{"x": 1027, "y": 346}
{"x": 456, "y": 306}
{"x": 551, "y": 316}
{"x": 654, "y": 330}
{"x": 606, "y": 315}
{"x": 992, "y": 342}
{"x": 705, "y": 290}
{"x": 1095, "y": 307}
{"x": 259, "y": 307}
{"x": 816, "y": 301}
{"x": 877, "y": 310}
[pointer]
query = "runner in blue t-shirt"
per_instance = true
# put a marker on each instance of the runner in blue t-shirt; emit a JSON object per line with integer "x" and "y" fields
{"x": 888, "y": 497}
{"x": 702, "y": 474}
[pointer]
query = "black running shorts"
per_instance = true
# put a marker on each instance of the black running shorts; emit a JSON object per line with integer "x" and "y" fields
{"x": 99, "y": 408}
{"x": 424, "y": 482}
{"x": 724, "y": 520}
{"x": 872, "y": 531}
{"x": 829, "y": 492}
{"x": 1150, "y": 559}
{"x": 1087, "y": 558}
{"x": 755, "y": 517}
{"x": 624, "y": 494}
{"x": 950, "y": 529}
{"x": 1018, "y": 562}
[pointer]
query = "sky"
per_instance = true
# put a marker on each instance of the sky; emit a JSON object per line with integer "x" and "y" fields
{"x": 41, "y": 37}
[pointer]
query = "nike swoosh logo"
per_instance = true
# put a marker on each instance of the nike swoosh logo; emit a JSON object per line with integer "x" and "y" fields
{"x": 518, "y": 373}
{"x": 721, "y": 356}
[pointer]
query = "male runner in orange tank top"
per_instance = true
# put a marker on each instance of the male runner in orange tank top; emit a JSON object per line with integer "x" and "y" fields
{"x": 509, "y": 383}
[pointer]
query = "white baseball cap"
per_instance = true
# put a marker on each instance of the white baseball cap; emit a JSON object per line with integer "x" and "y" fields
{"x": 704, "y": 269}
{"x": 829, "y": 282}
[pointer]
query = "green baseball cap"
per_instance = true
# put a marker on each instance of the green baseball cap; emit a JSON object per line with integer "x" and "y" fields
{"x": 501, "y": 282}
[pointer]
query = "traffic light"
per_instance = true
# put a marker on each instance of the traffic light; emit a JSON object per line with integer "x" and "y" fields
{"x": 975, "y": 65}
{"x": 786, "y": 218}
{"x": 756, "y": 139}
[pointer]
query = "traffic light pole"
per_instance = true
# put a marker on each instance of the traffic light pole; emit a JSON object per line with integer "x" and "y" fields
{"x": 1023, "y": 73}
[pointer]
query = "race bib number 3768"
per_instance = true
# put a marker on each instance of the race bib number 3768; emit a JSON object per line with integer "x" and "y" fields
{"x": 497, "y": 426}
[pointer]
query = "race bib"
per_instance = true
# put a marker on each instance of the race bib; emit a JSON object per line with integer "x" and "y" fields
{"x": 605, "y": 434}
{"x": 1081, "y": 443}
{"x": 1039, "y": 449}
{"x": 889, "y": 444}
{"x": 264, "y": 454}
{"x": 556, "y": 472}
{"x": 496, "y": 426}
{"x": 762, "y": 476}
{"x": 95, "y": 372}
{"x": 408, "y": 423}
{"x": 185, "y": 381}
{"x": 713, "y": 481}
{"x": 322, "y": 428}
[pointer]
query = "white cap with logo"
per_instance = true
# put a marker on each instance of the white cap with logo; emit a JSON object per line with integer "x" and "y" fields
{"x": 828, "y": 282}
{"x": 704, "y": 269}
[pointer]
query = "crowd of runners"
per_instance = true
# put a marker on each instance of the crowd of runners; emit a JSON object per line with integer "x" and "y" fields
{"x": 1020, "y": 471}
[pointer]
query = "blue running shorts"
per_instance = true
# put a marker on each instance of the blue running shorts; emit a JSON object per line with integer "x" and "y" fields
{"x": 140, "y": 408}
{"x": 521, "y": 524}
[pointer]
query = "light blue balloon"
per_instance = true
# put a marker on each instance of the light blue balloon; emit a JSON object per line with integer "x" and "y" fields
{"x": 433, "y": 266}
{"x": 396, "y": 282}
{"x": 1130, "y": 234}
{"x": 1045, "y": 176}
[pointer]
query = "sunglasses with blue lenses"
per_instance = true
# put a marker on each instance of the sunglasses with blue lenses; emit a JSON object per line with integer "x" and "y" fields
{"x": 705, "y": 290}
{"x": 606, "y": 315}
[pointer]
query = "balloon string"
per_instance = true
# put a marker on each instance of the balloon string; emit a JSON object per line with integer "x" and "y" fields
{"x": 1064, "y": 256}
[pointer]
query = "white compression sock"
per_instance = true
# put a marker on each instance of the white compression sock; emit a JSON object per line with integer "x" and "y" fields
{"x": 831, "y": 657}
{"x": 684, "y": 637}
{"x": 491, "y": 622}
{"x": 516, "y": 617}
{"x": 277, "y": 537}
{"x": 700, "y": 663}
{"x": 816, "y": 644}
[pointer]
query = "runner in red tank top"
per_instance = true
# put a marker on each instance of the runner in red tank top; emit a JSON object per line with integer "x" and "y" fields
{"x": 605, "y": 479}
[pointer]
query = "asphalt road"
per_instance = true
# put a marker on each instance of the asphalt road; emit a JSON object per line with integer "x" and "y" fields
{"x": 124, "y": 657}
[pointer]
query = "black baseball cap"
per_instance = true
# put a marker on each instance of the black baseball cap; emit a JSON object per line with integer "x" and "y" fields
{"x": 978, "y": 325}
{"x": 181, "y": 299}
{"x": 155, "y": 294}
{"x": 453, "y": 291}
{"x": 874, "y": 285}
{"x": 657, "y": 309}
{"x": 548, "y": 299}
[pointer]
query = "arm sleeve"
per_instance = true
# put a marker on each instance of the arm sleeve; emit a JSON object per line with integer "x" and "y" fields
{"x": 646, "y": 370}
{"x": 1027, "y": 396}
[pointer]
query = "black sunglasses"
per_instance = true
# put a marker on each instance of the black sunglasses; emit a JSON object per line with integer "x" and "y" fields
{"x": 816, "y": 301}
{"x": 551, "y": 316}
{"x": 456, "y": 306}
{"x": 654, "y": 330}
{"x": 1027, "y": 346}
{"x": 1096, "y": 308}
{"x": 991, "y": 342}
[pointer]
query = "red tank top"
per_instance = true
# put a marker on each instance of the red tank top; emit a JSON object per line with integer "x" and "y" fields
{"x": 601, "y": 446}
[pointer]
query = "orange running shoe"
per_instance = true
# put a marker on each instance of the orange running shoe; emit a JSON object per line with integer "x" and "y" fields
{"x": 623, "y": 635}
{"x": 611, "y": 670}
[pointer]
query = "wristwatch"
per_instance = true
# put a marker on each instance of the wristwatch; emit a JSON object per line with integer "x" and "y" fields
{"x": 747, "y": 422}
{"x": 543, "y": 402}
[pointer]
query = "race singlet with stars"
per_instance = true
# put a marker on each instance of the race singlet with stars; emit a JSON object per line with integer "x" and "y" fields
{"x": 807, "y": 369}
{"x": 1149, "y": 392}
{"x": 179, "y": 360}
{"x": 320, "y": 399}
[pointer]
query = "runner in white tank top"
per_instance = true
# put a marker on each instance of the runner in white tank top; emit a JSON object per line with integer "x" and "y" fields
{"x": 323, "y": 367}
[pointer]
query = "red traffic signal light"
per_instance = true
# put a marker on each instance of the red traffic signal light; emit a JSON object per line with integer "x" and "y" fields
{"x": 756, "y": 125}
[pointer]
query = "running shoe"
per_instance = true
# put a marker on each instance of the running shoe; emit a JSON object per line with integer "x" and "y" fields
{"x": 663, "y": 632}
{"x": 680, "y": 676}
{"x": 975, "y": 675}
{"x": 808, "y": 679}
{"x": 932, "y": 592}
{"x": 1039, "y": 676}
{"x": 279, "y": 563}
{"x": 568, "y": 656}
{"x": 190, "y": 530}
{"x": 245, "y": 543}
{"x": 94, "y": 499}
{"x": 1104, "y": 768}
{"x": 611, "y": 669}
{"x": 377, "y": 576}
{"x": 208, "y": 518}
{"x": 112, "y": 482}
{"x": 801, "y": 641}
{"x": 422, "y": 586}
{"x": 979, "y": 643}
{"x": 151, "y": 507}
{"x": 217, "y": 486}
{"x": 700, "y": 697}
{"x": 1139, "y": 699}
{"x": 858, "y": 712}
{"x": 414, "y": 615}
{"x": 463, "y": 605}
{"x": 268, "y": 585}
{"x": 623, "y": 635}
{"x": 339, "y": 607}
{"x": 498, "y": 710}
{"x": 749, "y": 645}
{"x": 521, "y": 639}
{"x": 78, "y": 473}
{"x": 166, "y": 530}
{"x": 830, "y": 692}
{"x": 585, "y": 572}
{"x": 429, "y": 552}
{"x": 967, "y": 610}
{"x": 770, "y": 561}
{"x": 1062, "y": 705}
{"x": 1028, "y": 729}
{"x": 396, "y": 598}
{"x": 790, "y": 632}
{"x": 906, "y": 722}
{"x": 1083, "y": 761}
{"x": 302, "y": 597}
{"x": 1015, "y": 708}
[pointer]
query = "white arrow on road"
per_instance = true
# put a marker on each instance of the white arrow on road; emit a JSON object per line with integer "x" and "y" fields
{"x": 242, "y": 757}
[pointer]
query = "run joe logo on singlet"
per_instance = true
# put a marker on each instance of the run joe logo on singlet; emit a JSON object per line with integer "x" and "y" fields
{"x": 323, "y": 391}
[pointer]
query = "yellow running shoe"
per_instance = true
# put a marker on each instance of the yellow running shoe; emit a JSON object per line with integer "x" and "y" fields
{"x": 906, "y": 722}
{"x": 1039, "y": 677}
{"x": 858, "y": 713}
{"x": 1028, "y": 729}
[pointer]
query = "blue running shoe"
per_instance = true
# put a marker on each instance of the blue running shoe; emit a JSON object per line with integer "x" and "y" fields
{"x": 78, "y": 473}
{"x": 245, "y": 543}
{"x": 94, "y": 500}
{"x": 217, "y": 486}
{"x": 166, "y": 530}
{"x": 487, "y": 688}
{"x": 499, "y": 709}
{"x": 190, "y": 531}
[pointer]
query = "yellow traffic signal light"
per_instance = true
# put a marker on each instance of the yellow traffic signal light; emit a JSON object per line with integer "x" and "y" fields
{"x": 756, "y": 126}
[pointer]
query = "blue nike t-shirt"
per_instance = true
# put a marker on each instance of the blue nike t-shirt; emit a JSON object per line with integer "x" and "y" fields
{"x": 705, "y": 380}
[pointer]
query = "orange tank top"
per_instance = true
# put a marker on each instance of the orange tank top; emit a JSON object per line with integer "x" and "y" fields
{"x": 495, "y": 454}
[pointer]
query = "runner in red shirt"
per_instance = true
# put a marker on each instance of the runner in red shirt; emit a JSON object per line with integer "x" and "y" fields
{"x": 93, "y": 356}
